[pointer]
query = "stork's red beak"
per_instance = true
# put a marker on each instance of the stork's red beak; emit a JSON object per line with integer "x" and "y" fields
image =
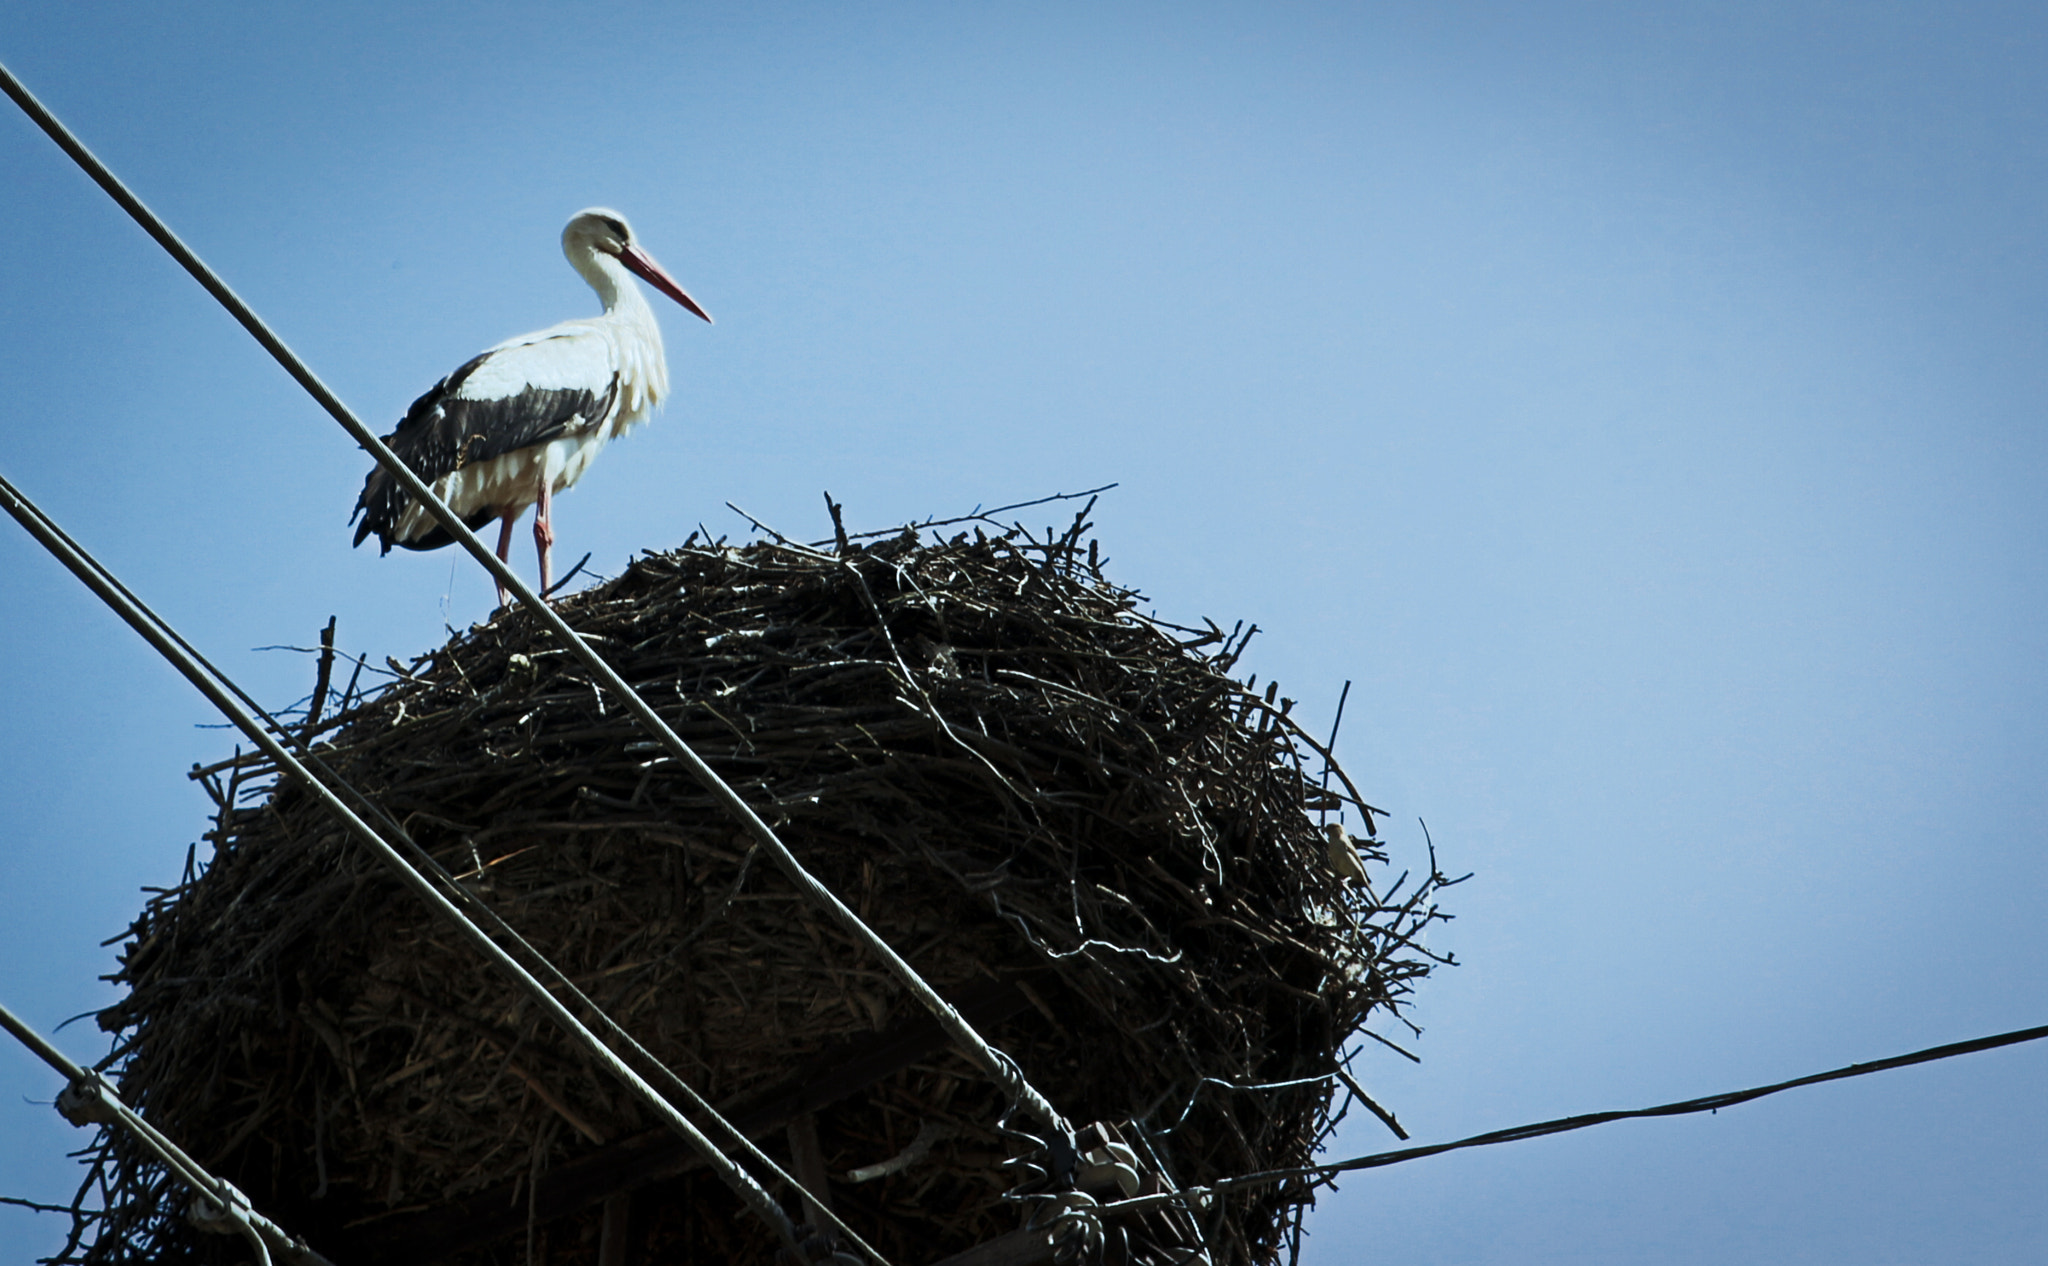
{"x": 647, "y": 270}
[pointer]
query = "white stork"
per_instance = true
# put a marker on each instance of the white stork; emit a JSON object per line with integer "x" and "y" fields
{"x": 524, "y": 420}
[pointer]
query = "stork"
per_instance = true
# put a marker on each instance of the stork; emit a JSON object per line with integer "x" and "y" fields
{"x": 523, "y": 421}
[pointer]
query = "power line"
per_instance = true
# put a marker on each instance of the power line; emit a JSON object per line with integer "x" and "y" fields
{"x": 40, "y": 522}
{"x": 998, "y": 1066}
{"x": 1515, "y": 1134}
{"x": 169, "y": 646}
{"x": 89, "y": 1100}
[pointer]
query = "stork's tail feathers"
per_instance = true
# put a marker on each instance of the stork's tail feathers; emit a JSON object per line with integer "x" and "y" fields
{"x": 376, "y": 510}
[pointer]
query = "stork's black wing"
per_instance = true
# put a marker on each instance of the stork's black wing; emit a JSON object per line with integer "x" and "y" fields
{"x": 507, "y": 399}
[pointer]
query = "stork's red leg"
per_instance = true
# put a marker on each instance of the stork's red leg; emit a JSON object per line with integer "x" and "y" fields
{"x": 544, "y": 534}
{"x": 505, "y": 548}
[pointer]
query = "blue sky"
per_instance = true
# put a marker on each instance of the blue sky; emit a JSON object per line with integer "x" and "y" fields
{"x": 1640, "y": 403}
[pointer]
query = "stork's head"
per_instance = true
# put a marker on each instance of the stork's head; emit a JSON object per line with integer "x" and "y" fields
{"x": 600, "y": 231}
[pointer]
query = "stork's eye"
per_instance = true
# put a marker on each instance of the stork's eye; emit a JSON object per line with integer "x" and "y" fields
{"x": 618, "y": 230}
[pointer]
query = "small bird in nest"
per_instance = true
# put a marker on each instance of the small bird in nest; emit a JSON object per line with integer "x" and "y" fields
{"x": 1343, "y": 853}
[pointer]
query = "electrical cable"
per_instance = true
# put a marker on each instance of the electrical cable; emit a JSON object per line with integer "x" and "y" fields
{"x": 89, "y": 1100}
{"x": 454, "y": 888}
{"x": 993, "y": 1062}
{"x": 1515, "y": 1134}
{"x": 743, "y": 1184}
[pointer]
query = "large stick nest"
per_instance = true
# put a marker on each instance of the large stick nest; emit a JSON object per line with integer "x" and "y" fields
{"x": 979, "y": 743}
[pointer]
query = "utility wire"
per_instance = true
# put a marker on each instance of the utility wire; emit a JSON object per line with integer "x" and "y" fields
{"x": 996, "y": 1064}
{"x": 1711, "y": 1103}
{"x": 426, "y": 860}
{"x": 89, "y": 1100}
{"x": 742, "y": 1183}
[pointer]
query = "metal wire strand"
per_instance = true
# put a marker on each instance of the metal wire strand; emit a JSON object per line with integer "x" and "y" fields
{"x": 89, "y": 1098}
{"x": 42, "y": 529}
{"x": 432, "y": 866}
{"x": 1516, "y": 1134}
{"x": 997, "y": 1065}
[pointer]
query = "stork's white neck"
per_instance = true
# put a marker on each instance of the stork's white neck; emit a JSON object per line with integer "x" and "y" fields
{"x": 635, "y": 335}
{"x": 614, "y": 286}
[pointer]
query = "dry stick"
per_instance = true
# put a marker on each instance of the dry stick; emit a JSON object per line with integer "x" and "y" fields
{"x": 977, "y": 516}
{"x": 1386, "y": 1117}
{"x": 568, "y": 576}
{"x": 997, "y": 1065}
{"x": 1332, "y": 746}
{"x": 321, "y": 677}
{"x": 36, "y": 1206}
{"x": 780, "y": 539}
{"x": 838, "y": 524}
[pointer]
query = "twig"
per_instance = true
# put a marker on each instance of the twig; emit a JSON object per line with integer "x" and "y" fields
{"x": 1358, "y": 1092}
{"x": 321, "y": 676}
{"x": 566, "y": 578}
{"x": 838, "y": 523}
{"x": 976, "y": 515}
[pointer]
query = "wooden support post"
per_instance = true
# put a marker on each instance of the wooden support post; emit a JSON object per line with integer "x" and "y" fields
{"x": 615, "y": 1245}
{"x": 808, "y": 1167}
